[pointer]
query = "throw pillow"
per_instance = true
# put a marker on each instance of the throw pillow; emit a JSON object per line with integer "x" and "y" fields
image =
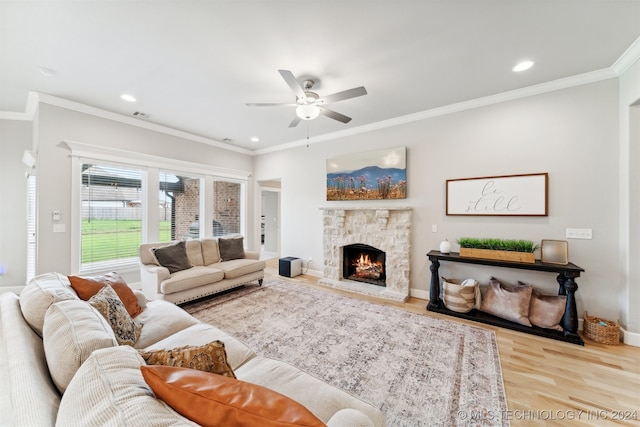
{"x": 86, "y": 287}
{"x": 231, "y": 248}
{"x": 210, "y": 357}
{"x": 126, "y": 330}
{"x": 507, "y": 303}
{"x": 173, "y": 257}
{"x": 212, "y": 400}
{"x": 546, "y": 311}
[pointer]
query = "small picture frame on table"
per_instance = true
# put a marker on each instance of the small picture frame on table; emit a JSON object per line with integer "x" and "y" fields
{"x": 554, "y": 251}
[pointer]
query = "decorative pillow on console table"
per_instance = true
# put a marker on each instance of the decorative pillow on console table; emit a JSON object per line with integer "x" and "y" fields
{"x": 88, "y": 286}
{"x": 231, "y": 248}
{"x": 212, "y": 400}
{"x": 546, "y": 311}
{"x": 507, "y": 303}
{"x": 173, "y": 257}
{"x": 211, "y": 357}
{"x": 126, "y": 330}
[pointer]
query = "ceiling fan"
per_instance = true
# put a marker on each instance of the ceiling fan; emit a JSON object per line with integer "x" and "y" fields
{"x": 309, "y": 105}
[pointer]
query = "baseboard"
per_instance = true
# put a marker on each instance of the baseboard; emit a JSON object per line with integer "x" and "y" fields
{"x": 419, "y": 293}
{"x": 630, "y": 338}
{"x": 314, "y": 273}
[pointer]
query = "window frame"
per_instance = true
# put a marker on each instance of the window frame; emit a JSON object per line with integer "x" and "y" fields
{"x": 152, "y": 166}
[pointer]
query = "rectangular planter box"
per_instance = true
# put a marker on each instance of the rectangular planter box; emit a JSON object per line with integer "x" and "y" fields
{"x": 528, "y": 257}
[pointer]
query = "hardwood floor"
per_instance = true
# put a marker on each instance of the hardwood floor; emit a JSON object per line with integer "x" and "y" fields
{"x": 548, "y": 382}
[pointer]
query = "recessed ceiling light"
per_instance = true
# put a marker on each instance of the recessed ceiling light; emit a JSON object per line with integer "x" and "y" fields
{"x": 255, "y": 139}
{"x": 524, "y": 65}
{"x": 127, "y": 97}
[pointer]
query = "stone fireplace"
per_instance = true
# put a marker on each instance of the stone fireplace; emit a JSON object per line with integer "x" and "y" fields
{"x": 382, "y": 236}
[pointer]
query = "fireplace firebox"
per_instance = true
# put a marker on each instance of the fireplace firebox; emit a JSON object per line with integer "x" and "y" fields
{"x": 364, "y": 263}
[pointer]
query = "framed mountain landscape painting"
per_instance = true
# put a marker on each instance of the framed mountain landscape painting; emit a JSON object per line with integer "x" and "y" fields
{"x": 370, "y": 175}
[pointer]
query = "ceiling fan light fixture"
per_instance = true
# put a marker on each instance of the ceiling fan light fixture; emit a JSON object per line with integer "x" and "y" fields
{"x": 308, "y": 112}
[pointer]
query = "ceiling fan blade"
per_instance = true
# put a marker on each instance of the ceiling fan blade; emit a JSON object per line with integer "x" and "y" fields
{"x": 335, "y": 116}
{"x": 346, "y": 94}
{"x": 294, "y": 122}
{"x": 269, "y": 104}
{"x": 293, "y": 83}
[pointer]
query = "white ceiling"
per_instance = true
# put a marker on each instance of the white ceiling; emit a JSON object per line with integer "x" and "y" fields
{"x": 192, "y": 65}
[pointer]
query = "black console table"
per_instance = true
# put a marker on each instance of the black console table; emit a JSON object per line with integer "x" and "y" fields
{"x": 566, "y": 280}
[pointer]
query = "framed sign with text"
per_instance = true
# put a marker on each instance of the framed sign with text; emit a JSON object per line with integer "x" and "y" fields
{"x": 509, "y": 195}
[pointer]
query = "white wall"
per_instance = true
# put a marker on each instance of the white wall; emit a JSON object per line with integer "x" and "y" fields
{"x": 572, "y": 134}
{"x": 57, "y": 124}
{"x": 15, "y": 138}
{"x": 630, "y": 199}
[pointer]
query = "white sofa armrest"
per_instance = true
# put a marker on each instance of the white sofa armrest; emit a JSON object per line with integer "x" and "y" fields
{"x": 251, "y": 255}
{"x": 151, "y": 276}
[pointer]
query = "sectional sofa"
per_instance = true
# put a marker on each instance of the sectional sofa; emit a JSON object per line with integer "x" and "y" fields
{"x": 62, "y": 363}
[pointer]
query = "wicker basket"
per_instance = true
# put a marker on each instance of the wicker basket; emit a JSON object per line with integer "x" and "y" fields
{"x": 601, "y": 330}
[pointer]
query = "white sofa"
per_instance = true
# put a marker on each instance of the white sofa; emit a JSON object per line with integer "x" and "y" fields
{"x": 49, "y": 337}
{"x": 209, "y": 274}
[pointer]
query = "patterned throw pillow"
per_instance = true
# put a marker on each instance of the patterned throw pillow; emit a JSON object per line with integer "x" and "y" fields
{"x": 210, "y": 357}
{"x": 126, "y": 330}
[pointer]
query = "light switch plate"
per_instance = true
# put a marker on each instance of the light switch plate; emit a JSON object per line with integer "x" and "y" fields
{"x": 59, "y": 228}
{"x": 579, "y": 233}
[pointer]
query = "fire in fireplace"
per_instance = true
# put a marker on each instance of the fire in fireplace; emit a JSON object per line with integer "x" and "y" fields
{"x": 364, "y": 263}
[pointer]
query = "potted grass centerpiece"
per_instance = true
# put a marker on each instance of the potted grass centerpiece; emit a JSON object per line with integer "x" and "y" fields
{"x": 498, "y": 249}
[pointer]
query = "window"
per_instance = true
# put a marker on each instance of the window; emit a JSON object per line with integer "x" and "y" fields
{"x": 111, "y": 229}
{"x": 31, "y": 227}
{"x": 227, "y": 204}
{"x": 179, "y": 207}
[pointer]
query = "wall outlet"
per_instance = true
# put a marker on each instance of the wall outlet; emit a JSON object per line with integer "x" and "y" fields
{"x": 579, "y": 233}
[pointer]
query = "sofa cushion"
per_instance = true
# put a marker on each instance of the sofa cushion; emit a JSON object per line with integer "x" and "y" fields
{"x": 507, "y": 303}
{"x": 239, "y": 267}
{"x": 212, "y": 400}
{"x": 88, "y": 286}
{"x": 231, "y": 248}
{"x": 194, "y": 252}
{"x": 202, "y": 333}
{"x": 126, "y": 330}
{"x": 191, "y": 278}
{"x": 72, "y": 331}
{"x": 210, "y": 357}
{"x": 40, "y": 293}
{"x": 210, "y": 251}
{"x": 108, "y": 390}
{"x": 173, "y": 257}
{"x": 162, "y": 319}
{"x": 32, "y": 397}
{"x": 323, "y": 399}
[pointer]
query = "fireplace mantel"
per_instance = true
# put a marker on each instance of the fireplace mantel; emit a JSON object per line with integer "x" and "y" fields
{"x": 387, "y": 228}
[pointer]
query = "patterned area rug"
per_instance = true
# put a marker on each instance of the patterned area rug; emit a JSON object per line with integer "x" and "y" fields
{"x": 420, "y": 370}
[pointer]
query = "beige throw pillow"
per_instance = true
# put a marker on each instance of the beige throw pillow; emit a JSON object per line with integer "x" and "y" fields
{"x": 546, "y": 311}
{"x": 507, "y": 303}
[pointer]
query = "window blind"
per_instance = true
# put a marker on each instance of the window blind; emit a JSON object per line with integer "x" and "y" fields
{"x": 111, "y": 216}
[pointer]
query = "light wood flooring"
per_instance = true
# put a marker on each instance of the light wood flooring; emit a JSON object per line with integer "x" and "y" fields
{"x": 547, "y": 382}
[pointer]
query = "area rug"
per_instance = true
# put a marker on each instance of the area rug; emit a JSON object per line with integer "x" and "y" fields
{"x": 419, "y": 370}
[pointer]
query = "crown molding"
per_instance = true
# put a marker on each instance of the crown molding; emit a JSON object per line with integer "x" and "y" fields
{"x": 564, "y": 83}
{"x": 36, "y": 98}
{"x": 628, "y": 58}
